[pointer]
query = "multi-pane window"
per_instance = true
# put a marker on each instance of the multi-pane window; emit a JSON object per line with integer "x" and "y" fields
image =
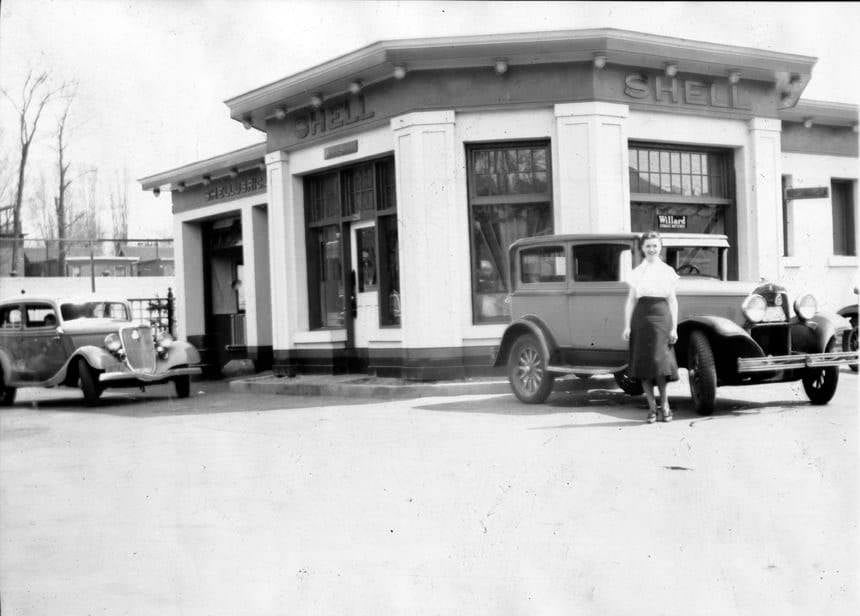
{"x": 333, "y": 200}
{"x": 682, "y": 189}
{"x": 842, "y": 204}
{"x": 509, "y": 198}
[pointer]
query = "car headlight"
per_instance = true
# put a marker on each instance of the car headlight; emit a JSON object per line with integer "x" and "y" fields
{"x": 754, "y": 307}
{"x": 114, "y": 345}
{"x": 806, "y": 307}
{"x": 163, "y": 339}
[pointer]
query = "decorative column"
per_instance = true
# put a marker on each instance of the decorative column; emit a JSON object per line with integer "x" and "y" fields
{"x": 256, "y": 286}
{"x": 287, "y": 259}
{"x": 433, "y": 238}
{"x": 760, "y": 222}
{"x": 591, "y": 168}
{"x": 188, "y": 248}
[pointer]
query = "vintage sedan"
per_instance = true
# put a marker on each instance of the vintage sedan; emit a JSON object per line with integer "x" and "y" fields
{"x": 567, "y": 304}
{"x": 90, "y": 343}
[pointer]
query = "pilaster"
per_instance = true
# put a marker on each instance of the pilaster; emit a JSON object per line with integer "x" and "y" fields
{"x": 760, "y": 222}
{"x": 593, "y": 189}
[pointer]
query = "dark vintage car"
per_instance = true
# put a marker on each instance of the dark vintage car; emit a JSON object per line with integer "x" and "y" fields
{"x": 567, "y": 304}
{"x": 90, "y": 343}
{"x": 850, "y": 313}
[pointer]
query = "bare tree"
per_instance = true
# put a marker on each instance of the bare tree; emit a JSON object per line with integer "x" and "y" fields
{"x": 41, "y": 211}
{"x": 118, "y": 201}
{"x": 35, "y": 96}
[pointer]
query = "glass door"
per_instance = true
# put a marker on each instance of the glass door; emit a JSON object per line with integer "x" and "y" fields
{"x": 365, "y": 281}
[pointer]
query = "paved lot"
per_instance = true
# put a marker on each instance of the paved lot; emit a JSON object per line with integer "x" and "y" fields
{"x": 250, "y": 504}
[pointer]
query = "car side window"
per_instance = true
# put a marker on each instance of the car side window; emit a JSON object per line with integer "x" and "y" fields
{"x": 543, "y": 264}
{"x": 10, "y": 317}
{"x": 597, "y": 262}
{"x": 40, "y": 315}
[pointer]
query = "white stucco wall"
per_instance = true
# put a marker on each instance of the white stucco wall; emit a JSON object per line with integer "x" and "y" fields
{"x": 812, "y": 266}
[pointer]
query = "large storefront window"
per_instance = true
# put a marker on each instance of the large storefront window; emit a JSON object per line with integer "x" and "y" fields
{"x": 683, "y": 190}
{"x": 334, "y": 201}
{"x": 509, "y": 198}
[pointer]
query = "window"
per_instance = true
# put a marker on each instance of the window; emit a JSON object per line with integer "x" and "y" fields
{"x": 333, "y": 200}
{"x": 10, "y": 317}
{"x": 543, "y": 264}
{"x": 694, "y": 261}
{"x": 41, "y": 315}
{"x": 842, "y": 205}
{"x": 597, "y": 262}
{"x": 509, "y": 198}
{"x": 681, "y": 189}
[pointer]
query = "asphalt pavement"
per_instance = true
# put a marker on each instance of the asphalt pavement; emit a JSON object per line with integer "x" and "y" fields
{"x": 238, "y": 503}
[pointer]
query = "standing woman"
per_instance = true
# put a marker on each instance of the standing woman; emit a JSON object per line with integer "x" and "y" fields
{"x": 651, "y": 318}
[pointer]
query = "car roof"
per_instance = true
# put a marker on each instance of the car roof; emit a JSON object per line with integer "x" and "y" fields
{"x": 79, "y": 299}
{"x": 669, "y": 239}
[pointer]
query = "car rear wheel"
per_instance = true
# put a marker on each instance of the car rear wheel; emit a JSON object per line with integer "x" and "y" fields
{"x": 820, "y": 383}
{"x": 703, "y": 374}
{"x": 183, "y": 386}
{"x": 629, "y": 385}
{"x": 527, "y": 372}
{"x": 89, "y": 381}
{"x": 7, "y": 394}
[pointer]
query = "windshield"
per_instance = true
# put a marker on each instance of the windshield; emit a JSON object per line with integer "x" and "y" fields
{"x": 695, "y": 261}
{"x": 95, "y": 310}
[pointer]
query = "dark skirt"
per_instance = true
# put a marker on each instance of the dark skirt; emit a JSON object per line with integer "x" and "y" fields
{"x": 651, "y": 354}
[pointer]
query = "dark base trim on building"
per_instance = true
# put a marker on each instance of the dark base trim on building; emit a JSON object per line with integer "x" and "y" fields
{"x": 213, "y": 361}
{"x": 416, "y": 364}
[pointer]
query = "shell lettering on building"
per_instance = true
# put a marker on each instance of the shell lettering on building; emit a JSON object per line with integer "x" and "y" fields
{"x": 671, "y": 90}
{"x": 319, "y": 121}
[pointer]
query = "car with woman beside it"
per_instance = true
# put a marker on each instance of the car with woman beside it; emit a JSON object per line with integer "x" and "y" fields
{"x": 567, "y": 303}
{"x": 91, "y": 343}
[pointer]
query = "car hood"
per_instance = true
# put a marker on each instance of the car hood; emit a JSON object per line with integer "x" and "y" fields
{"x": 95, "y": 326}
{"x": 713, "y": 287}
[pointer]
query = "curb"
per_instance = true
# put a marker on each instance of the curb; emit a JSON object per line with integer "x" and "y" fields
{"x": 362, "y": 390}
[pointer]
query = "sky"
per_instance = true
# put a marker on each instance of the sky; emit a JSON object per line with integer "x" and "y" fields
{"x": 153, "y": 74}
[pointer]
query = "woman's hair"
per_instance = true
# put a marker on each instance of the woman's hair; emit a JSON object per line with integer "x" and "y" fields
{"x": 649, "y": 235}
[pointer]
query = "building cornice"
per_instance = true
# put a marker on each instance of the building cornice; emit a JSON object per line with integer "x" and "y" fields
{"x": 212, "y": 168}
{"x": 377, "y": 62}
{"x": 822, "y": 113}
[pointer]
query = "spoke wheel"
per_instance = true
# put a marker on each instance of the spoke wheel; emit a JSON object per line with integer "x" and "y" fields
{"x": 820, "y": 383}
{"x": 703, "y": 374}
{"x": 527, "y": 372}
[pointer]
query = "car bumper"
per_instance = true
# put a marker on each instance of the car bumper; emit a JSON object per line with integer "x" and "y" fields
{"x": 790, "y": 362}
{"x": 146, "y": 377}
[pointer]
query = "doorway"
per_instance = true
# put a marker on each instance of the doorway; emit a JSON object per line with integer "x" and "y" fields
{"x": 365, "y": 278}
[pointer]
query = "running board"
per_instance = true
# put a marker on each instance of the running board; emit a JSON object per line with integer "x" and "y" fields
{"x": 589, "y": 370}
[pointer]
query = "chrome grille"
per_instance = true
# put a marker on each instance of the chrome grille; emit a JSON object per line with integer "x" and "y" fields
{"x": 139, "y": 348}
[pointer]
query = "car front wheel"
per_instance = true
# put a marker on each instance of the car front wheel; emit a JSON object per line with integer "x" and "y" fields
{"x": 820, "y": 383}
{"x": 851, "y": 344}
{"x": 527, "y": 371}
{"x": 183, "y": 386}
{"x": 89, "y": 382}
{"x": 703, "y": 374}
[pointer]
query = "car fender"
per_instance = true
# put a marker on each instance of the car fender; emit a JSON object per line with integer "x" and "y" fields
{"x": 528, "y": 324}
{"x": 813, "y": 335}
{"x": 181, "y": 353}
{"x": 97, "y": 357}
{"x": 728, "y": 340}
{"x": 848, "y": 312}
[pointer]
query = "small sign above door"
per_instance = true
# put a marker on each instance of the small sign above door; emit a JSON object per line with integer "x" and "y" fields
{"x": 668, "y": 221}
{"x": 341, "y": 149}
{"x": 811, "y": 192}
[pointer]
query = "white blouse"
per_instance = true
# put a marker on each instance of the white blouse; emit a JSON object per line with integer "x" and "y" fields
{"x": 653, "y": 280}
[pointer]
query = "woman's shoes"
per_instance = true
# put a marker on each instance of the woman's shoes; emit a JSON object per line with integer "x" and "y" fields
{"x": 652, "y": 414}
{"x": 667, "y": 414}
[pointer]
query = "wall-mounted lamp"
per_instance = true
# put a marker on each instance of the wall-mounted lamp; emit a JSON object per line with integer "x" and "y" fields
{"x": 794, "y": 79}
{"x": 501, "y": 67}
{"x": 399, "y": 71}
{"x": 234, "y": 172}
{"x": 317, "y": 101}
{"x": 207, "y": 180}
{"x": 280, "y": 113}
{"x": 246, "y": 122}
{"x": 671, "y": 69}
{"x": 807, "y": 123}
{"x": 261, "y": 166}
{"x": 157, "y": 191}
{"x": 599, "y": 61}
{"x": 734, "y": 77}
{"x": 356, "y": 86}
{"x": 180, "y": 187}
